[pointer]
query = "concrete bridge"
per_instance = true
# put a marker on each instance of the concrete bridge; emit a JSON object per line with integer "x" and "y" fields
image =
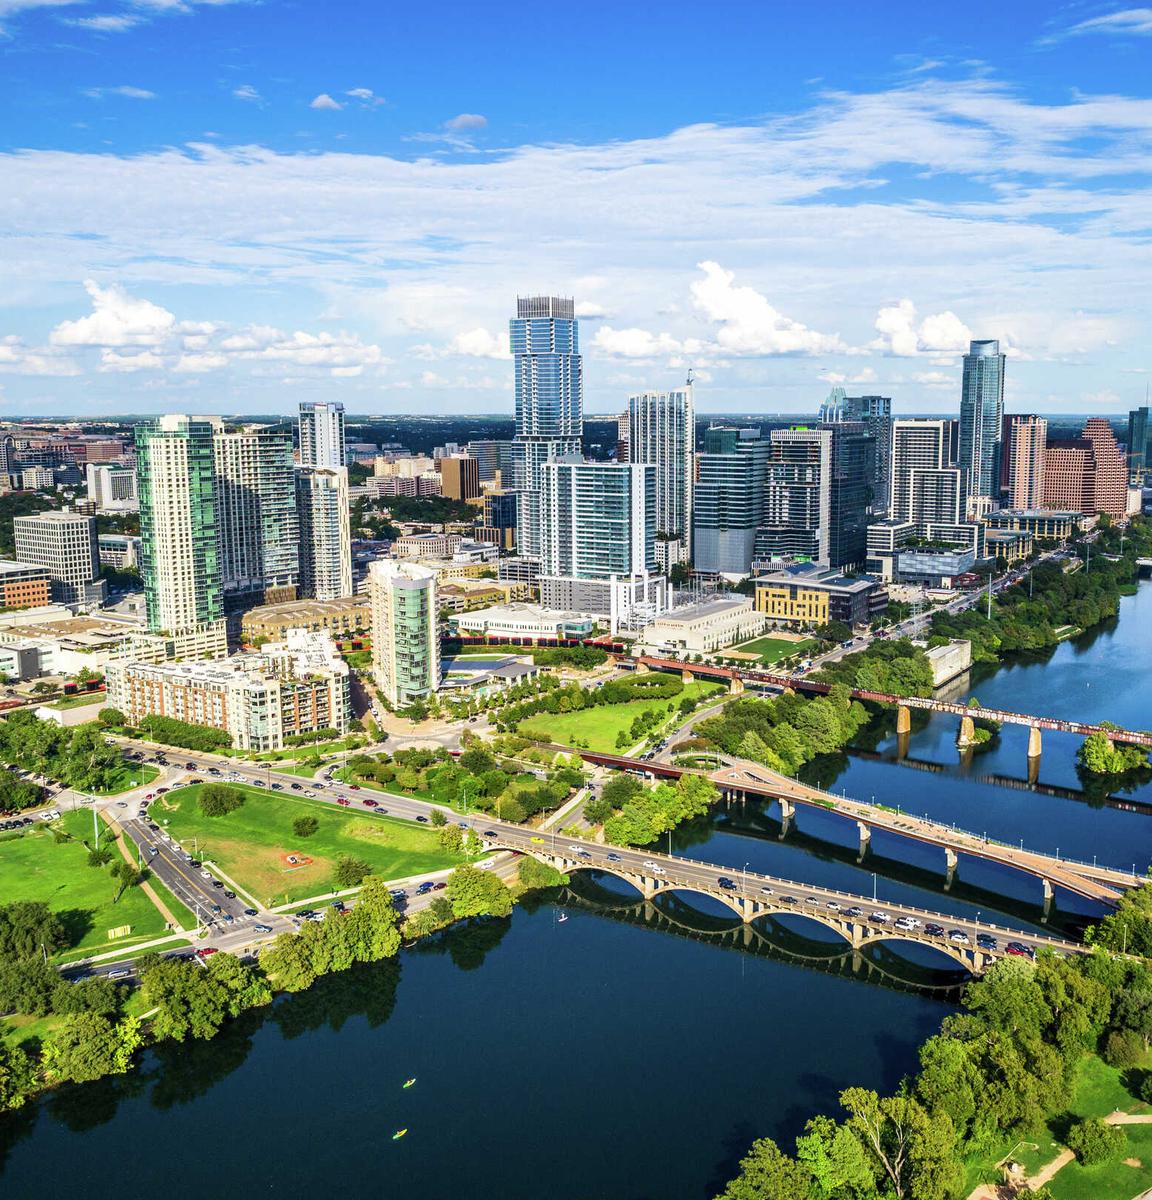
{"x": 738, "y": 677}
{"x": 744, "y": 779}
{"x": 859, "y": 921}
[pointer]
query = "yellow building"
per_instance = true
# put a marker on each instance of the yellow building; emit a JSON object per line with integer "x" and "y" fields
{"x": 812, "y": 595}
{"x": 339, "y": 617}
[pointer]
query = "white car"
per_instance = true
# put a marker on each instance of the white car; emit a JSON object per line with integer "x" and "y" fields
{"x": 882, "y": 917}
{"x": 574, "y": 849}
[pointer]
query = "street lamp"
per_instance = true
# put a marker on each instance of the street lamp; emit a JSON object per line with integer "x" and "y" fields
{"x": 745, "y": 877}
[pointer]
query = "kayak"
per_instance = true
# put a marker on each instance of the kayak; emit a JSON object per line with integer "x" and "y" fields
{"x": 399, "y": 1134}
{"x": 410, "y": 1083}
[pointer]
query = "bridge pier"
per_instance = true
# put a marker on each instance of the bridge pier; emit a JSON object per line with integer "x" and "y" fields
{"x": 687, "y": 676}
{"x": 736, "y": 686}
{"x": 1034, "y": 742}
{"x": 903, "y": 719}
{"x": 865, "y": 839}
{"x": 967, "y": 735}
{"x": 951, "y": 858}
{"x": 1049, "y": 892}
{"x": 787, "y": 812}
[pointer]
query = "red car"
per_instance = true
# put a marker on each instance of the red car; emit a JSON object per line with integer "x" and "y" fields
{"x": 354, "y": 786}
{"x": 370, "y": 803}
{"x": 206, "y": 951}
{"x": 343, "y": 800}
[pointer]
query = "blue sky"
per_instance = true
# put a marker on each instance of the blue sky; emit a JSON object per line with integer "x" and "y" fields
{"x": 232, "y": 206}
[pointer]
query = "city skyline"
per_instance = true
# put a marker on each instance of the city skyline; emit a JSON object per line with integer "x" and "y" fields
{"x": 210, "y": 235}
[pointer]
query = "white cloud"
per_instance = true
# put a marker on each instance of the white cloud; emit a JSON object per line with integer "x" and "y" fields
{"x": 19, "y": 359}
{"x": 246, "y": 92}
{"x": 466, "y": 122}
{"x": 324, "y": 101}
{"x": 106, "y": 22}
{"x": 480, "y": 343}
{"x": 634, "y": 343}
{"x": 748, "y": 324}
{"x": 1123, "y": 21}
{"x": 144, "y": 360}
{"x": 589, "y": 309}
{"x": 126, "y": 90}
{"x": 117, "y": 319}
{"x": 366, "y": 96}
{"x": 939, "y": 333}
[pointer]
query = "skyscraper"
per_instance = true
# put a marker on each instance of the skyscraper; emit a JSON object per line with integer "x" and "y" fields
{"x": 918, "y": 444}
{"x": 1027, "y": 444}
{"x": 1139, "y": 446}
{"x": 875, "y": 414}
{"x": 405, "y": 633}
{"x": 598, "y": 540}
{"x": 728, "y": 499}
{"x": 65, "y": 543}
{"x": 661, "y": 431}
{"x": 1087, "y": 474}
{"x": 545, "y": 342}
{"x": 981, "y": 416}
{"x": 179, "y": 541}
{"x": 325, "y": 536}
{"x": 257, "y": 523}
{"x": 322, "y": 435}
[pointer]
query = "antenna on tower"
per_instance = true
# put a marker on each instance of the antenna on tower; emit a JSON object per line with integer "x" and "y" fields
{"x": 688, "y": 381}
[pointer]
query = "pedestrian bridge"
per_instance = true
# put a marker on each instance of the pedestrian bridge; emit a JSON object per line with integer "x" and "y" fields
{"x": 859, "y": 921}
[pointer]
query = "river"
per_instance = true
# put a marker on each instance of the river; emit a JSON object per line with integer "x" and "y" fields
{"x": 599, "y": 1057}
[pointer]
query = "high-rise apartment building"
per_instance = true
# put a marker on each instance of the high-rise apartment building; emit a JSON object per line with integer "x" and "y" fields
{"x": 1027, "y": 443}
{"x": 459, "y": 477}
{"x": 64, "y": 543}
{"x": 1088, "y": 474}
{"x": 875, "y": 414}
{"x": 405, "y": 633}
{"x": 598, "y": 541}
{"x": 256, "y": 520}
{"x": 728, "y": 499}
{"x": 325, "y": 533}
{"x": 918, "y": 444}
{"x": 981, "y": 417}
{"x": 1139, "y": 446}
{"x": 322, "y": 435}
{"x": 662, "y": 431}
{"x": 545, "y": 343}
{"x": 179, "y": 539}
{"x": 496, "y": 457}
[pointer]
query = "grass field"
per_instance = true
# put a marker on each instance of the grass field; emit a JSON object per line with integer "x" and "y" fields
{"x": 250, "y": 844}
{"x": 29, "y": 1031}
{"x": 33, "y": 866}
{"x": 80, "y": 700}
{"x": 1119, "y": 1179}
{"x": 596, "y": 728}
{"x": 132, "y": 775}
{"x": 772, "y": 650}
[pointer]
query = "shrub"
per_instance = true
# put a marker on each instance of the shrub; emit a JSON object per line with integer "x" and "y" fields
{"x": 218, "y": 799}
{"x": 1123, "y": 1048}
{"x": 305, "y": 826}
{"x": 1094, "y": 1142}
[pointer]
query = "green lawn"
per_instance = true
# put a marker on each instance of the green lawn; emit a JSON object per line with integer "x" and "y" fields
{"x": 1115, "y": 1180}
{"x": 132, "y": 775}
{"x": 33, "y": 866}
{"x": 303, "y": 771}
{"x": 1099, "y": 1090}
{"x": 772, "y": 650}
{"x": 358, "y": 659}
{"x": 25, "y": 1030}
{"x": 80, "y": 700}
{"x": 596, "y": 728}
{"x": 252, "y": 843}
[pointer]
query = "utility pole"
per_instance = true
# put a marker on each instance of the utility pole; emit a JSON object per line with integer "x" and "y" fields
{"x": 989, "y": 595}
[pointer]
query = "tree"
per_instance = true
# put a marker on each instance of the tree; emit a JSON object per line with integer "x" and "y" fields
{"x": 127, "y": 875}
{"x": 535, "y": 874}
{"x": 305, "y": 826}
{"x": 1093, "y": 1141}
{"x": 598, "y": 810}
{"x": 28, "y": 986}
{"x": 88, "y": 1046}
{"x": 17, "y": 1076}
{"x": 26, "y": 927}
{"x": 477, "y": 893}
{"x": 351, "y": 872}
{"x": 766, "y": 1173}
{"x": 112, "y": 718}
{"x": 439, "y": 817}
{"x": 189, "y": 1001}
{"x": 218, "y": 799}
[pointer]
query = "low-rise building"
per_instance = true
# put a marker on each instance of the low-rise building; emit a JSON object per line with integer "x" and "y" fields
{"x": 1012, "y": 545}
{"x": 1047, "y": 525}
{"x": 340, "y": 617}
{"x": 949, "y": 661}
{"x": 425, "y": 545}
{"x": 292, "y": 687}
{"x": 522, "y": 622}
{"x": 464, "y": 595}
{"x": 24, "y": 585}
{"x": 808, "y": 594}
{"x": 120, "y": 551}
{"x": 934, "y": 566}
{"x": 704, "y": 627}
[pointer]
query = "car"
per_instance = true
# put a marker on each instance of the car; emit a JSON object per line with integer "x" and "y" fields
{"x": 834, "y": 905}
{"x": 153, "y": 850}
{"x": 261, "y": 928}
{"x": 576, "y": 849}
{"x": 120, "y": 973}
{"x": 585, "y": 854}
{"x": 614, "y": 858}
{"x": 206, "y": 951}
{"x": 195, "y": 779}
{"x": 960, "y": 937}
{"x": 422, "y": 820}
{"x": 986, "y": 941}
{"x": 790, "y": 899}
{"x": 766, "y": 890}
{"x": 1020, "y": 950}
{"x": 153, "y": 826}
{"x": 205, "y": 874}
{"x": 161, "y": 791}
{"x": 354, "y": 786}
{"x": 399, "y": 895}
{"x": 811, "y": 899}
{"x": 189, "y": 766}
{"x": 905, "y": 923}
{"x": 119, "y": 804}
{"x": 370, "y": 803}
{"x": 854, "y": 911}
{"x": 489, "y": 833}
{"x": 228, "y": 918}
{"x": 196, "y": 864}
{"x": 439, "y": 887}
{"x": 726, "y": 883}
{"x": 277, "y": 787}
{"x": 306, "y": 914}
{"x": 648, "y": 865}
{"x": 343, "y": 800}
{"x": 218, "y": 883}
{"x": 338, "y": 905}
{"x": 540, "y": 842}
{"x": 882, "y": 917}
{"x": 933, "y": 929}
{"x": 230, "y": 894}
{"x": 250, "y": 912}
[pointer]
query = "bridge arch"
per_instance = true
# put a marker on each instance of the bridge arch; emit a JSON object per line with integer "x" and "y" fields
{"x": 960, "y": 954}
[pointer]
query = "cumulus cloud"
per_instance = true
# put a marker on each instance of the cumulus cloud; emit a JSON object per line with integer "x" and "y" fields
{"x": 324, "y": 101}
{"x": 19, "y": 359}
{"x": 900, "y": 335}
{"x": 117, "y": 319}
{"x": 748, "y": 324}
{"x": 106, "y": 22}
{"x": 466, "y": 123}
{"x": 480, "y": 343}
{"x": 590, "y": 310}
{"x": 635, "y": 343}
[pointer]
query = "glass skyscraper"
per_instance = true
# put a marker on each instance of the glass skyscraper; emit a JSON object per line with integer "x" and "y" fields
{"x": 875, "y": 413}
{"x": 1139, "y": 446}
{"x": 545, "y": 343}
{"x": 981, "y": 418}
{"x": 728, "y": 502}
{"x": 662, "y": 431}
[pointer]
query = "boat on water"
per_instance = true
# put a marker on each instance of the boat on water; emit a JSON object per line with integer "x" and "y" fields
{"x": 399, "y": 1134}
{"x": 562, "y": 917}
{"x": 408, "y": 1083}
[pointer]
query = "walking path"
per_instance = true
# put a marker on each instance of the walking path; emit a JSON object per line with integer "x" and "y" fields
{"x": 144, "y": 885}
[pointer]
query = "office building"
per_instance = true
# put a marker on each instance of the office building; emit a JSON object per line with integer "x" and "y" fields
{"x": 918, "y": 444}
{"x": 1047, "y": 525}
{"x": 179, "y": 541}
{"x": 1139, "y": 447}
{"x": 598, "y": 541}
{"x": 497, "y": 525}
{"x": 1027, "y": 445}
{"x": 64, "y": 543}
{"x": 1087, "y": 474}
{"x": 24, "y": 585}
{"x": 662, "y": 431}
{"x": 256, "y": 520}
{"x": 36, "y": 479}
{"x": 522, "y": 623}
{"x": 728, "y": 500}
{"x": 459, "y": 477}
{"x": 322, "y": 435}
{"x": 112, "y": 487}
{"x": 809, "y": 594}
{"x": 496, "y": 457}
{"x": 981, "y": 417}
{"x": 405, "y": 631}
{"x": 545, "y": 342}
{"x": 704, "y": 627}
{"x": 259, "y": 699}
{"x": 325, "y": 534}
{"x": 875, "y": 414}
